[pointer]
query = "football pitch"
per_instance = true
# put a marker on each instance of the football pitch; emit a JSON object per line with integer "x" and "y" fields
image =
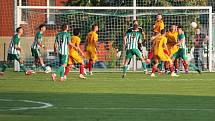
{"x": 107, "y": 97}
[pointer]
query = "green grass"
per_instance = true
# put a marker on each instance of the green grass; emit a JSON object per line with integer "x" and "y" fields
{"x": 107, "y": 97}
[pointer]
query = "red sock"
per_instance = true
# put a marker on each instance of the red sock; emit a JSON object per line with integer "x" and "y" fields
{"x": 67, "y": 70}
{"x": 176, "y": 64}
{"x": 87, "y": 65}
{"x": 166, "y": 66}
{"x": 81, "y": 69}
{"x": 171, "y": 68}
{"x": 185, "y": 65}
{"x": 154, "y": 68}
{"x": 90, "y": 64}
{"x": 150, "y": 56}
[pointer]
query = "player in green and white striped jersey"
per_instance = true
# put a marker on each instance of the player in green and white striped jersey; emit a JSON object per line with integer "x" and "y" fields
{"x": 35, "y": 48}
{"x": 62, "y": 40}
{"x": 132, "y": 40}
{"x": 14, "y": 51}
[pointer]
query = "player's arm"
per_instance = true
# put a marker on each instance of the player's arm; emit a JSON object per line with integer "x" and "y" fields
{"x": 180, "y": 41}
{"x": 95, "y": 40}
{"x": 79, "y": 49}
{"x": 72, "y": 45}
{"x": 140, "y": 41}
{"x": 39, "y": 42}
{"x": 124, "y": 41}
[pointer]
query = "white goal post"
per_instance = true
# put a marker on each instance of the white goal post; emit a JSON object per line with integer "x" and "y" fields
{"x": 136, "y": 12}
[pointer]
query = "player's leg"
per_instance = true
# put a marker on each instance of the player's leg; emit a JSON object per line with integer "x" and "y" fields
{"x": 184, "y": 58}
{"x": 139, "y": 55}
{"x": 194, "y": 67}
{"x": 92, "y": 61}
{"x": 128, "y": 56}
{"x": 79, "y": 59}
{"x": 60, "y": 71}
{"x": 22, "y": 66}
{"x": 68, "y": 67}
{"x": 92, "y": 58}
{"x": 154, "y": 68}
{"x": 171, "y": 68}
{"x": 3, "y": 69}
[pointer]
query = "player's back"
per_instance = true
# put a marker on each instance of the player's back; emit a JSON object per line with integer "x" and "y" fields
{"x": 62, "y": 39}
{"x": 172, "y": 36}
{"x": 159, "y": 25}
{"x": 75, "y": 40}
{"x": 15, "y": 40}
{"x": 92, "y": 37}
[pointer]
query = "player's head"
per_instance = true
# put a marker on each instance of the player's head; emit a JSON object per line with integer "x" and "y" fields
{"x": 76, "y": 32}
{"x": 20, "y": 30}
{"x": 65, "y": 27}
{"x": 135, "y": 22}
{"x": 42, "y": 27}
{"x": 163, "y": 32}
{"x": 179, "y": 28}
{"x": 95, "y": 27}
{"x": 173, "y": 28}
{"x": 159, "y": 16}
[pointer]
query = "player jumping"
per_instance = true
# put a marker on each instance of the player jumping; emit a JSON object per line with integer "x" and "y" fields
{"x": 131, "y": 42}
{"x": 161, "y": 53}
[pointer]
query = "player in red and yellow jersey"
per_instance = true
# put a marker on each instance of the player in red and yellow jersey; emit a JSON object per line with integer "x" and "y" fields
{"x": 159, "y": 24}
{"x": 157, "y": 27}
{"x": 75, "y": 54}
{"x": 172, "y": 38}
{"x": 91, "y": 47}
{"x": 161, "y": 53}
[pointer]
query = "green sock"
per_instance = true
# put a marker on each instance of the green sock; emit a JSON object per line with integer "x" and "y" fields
{"x": 33, "y": 67}
{"x": 44, "y": 67}
{"x": 144, "y": 65}
{"x": 160, "y": 65}
{"x": 60, "y": 70}
{"x": 22, "y": 66}
{"x": 4, "y": 67}
{"x": 125, "y": 68}
{"x": 193, "y": 66}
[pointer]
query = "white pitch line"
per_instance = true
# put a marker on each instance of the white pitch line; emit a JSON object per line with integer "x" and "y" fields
{"x": 155, "y": 108}
{"x": 44, "y": 105}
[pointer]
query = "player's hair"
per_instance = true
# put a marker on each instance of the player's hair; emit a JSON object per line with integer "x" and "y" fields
{"x": 135, "y": 21}
{"x": 94, "y": 26}
{"x": 179, "y": 26}
{"x": 163, "y": 31}
{"x": 76, "y": 31}
{"x": 64, "y": 26}
{"x": 41, "y": 26}
{"x": 159, "y": 14}
{"x": 17, "y": 29}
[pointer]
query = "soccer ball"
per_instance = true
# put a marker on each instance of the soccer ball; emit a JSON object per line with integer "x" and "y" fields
{"x": 193, "y": 24}
{"x": 48, "y": 69}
